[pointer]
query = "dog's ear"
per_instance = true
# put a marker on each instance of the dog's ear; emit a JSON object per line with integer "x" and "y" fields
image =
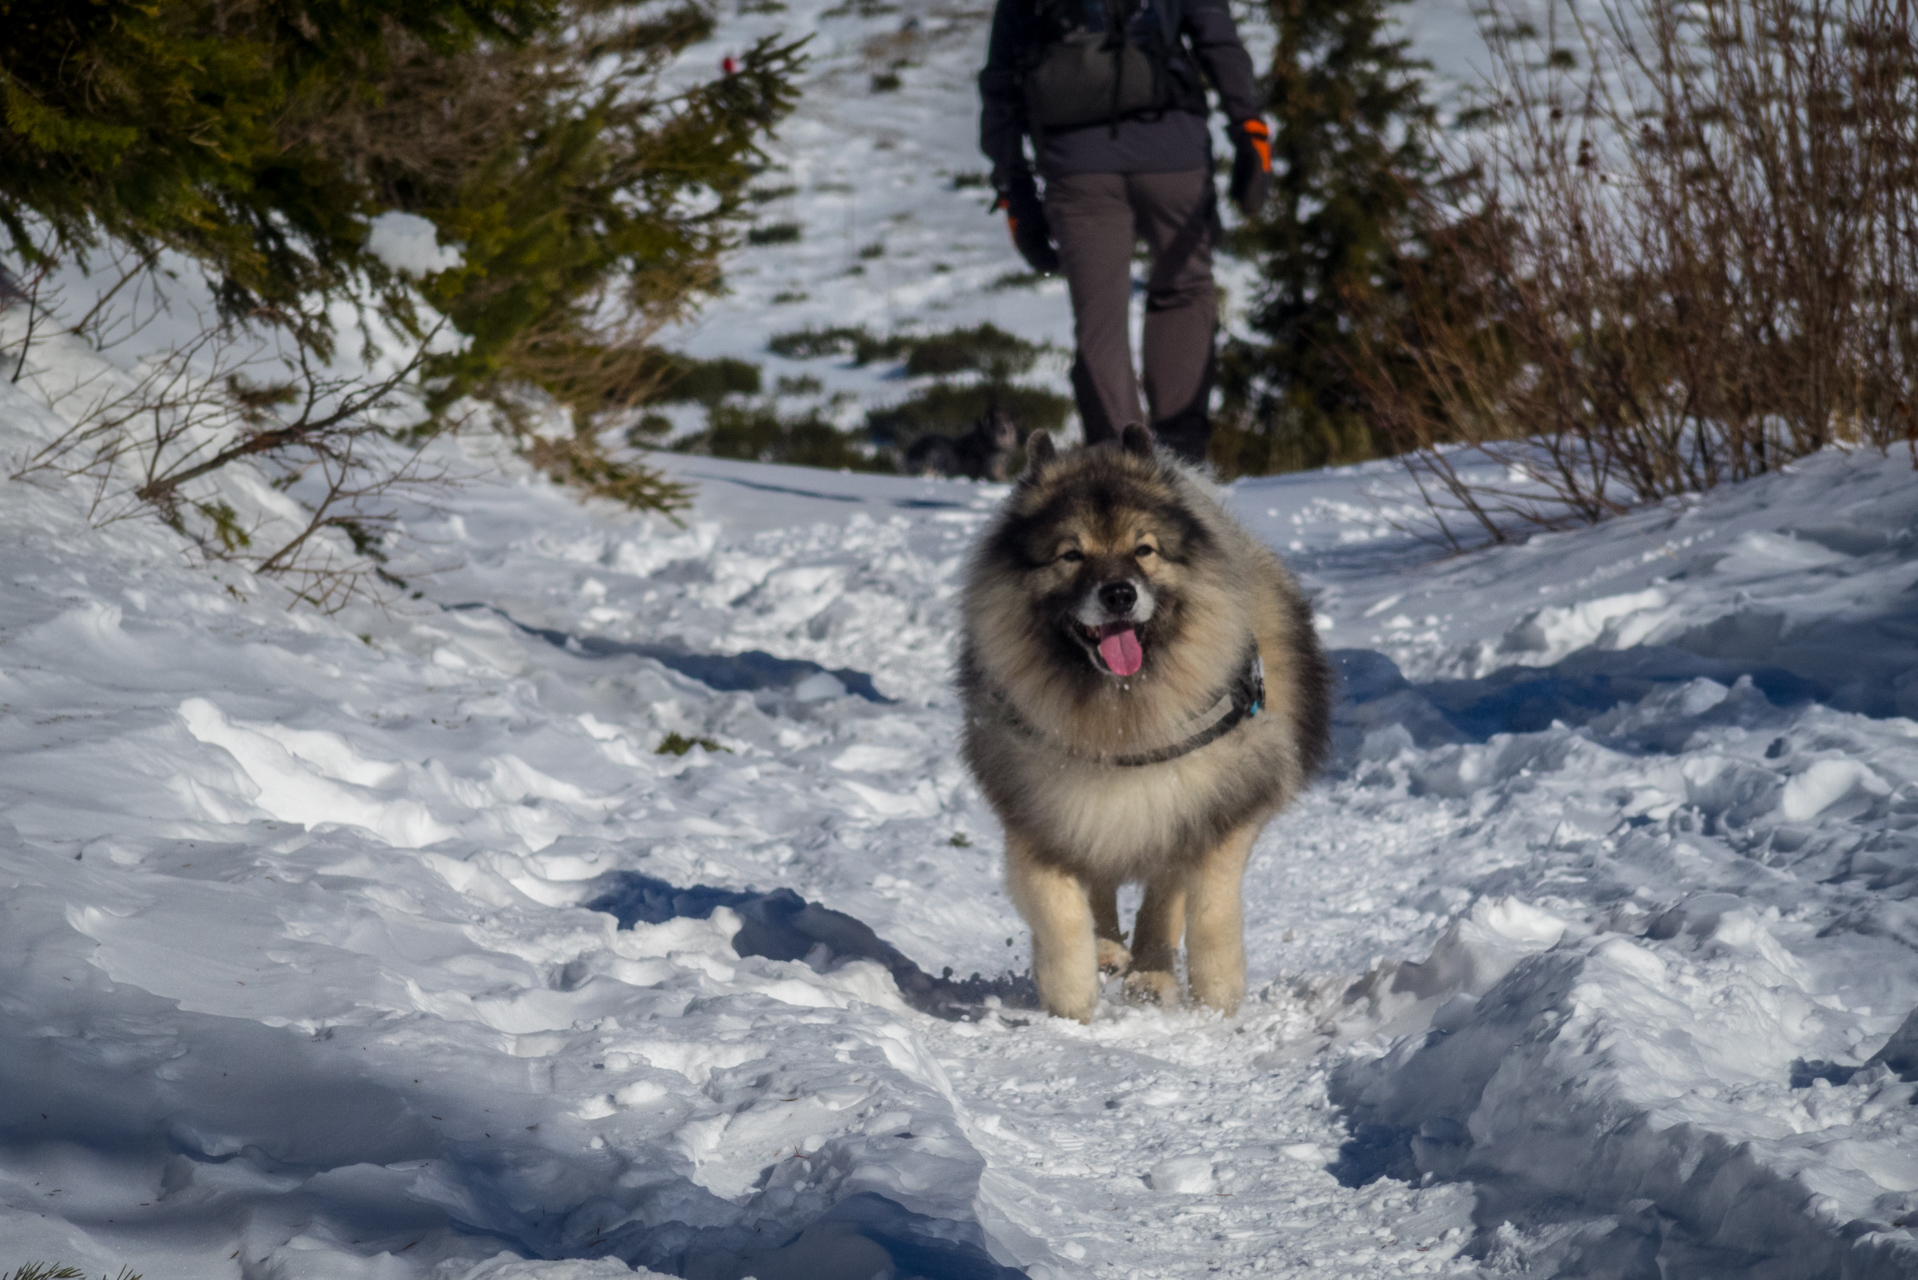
{"x": 1039, "y": 453}
{"x": 1136, "y": 440}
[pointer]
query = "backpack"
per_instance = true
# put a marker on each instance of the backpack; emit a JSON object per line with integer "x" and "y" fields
{"x": 1103, "y": 61}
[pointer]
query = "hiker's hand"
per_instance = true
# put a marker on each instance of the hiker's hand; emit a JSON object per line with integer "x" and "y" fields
{"x": 1026, "y": 221}
{"x": 1251, "y": 165}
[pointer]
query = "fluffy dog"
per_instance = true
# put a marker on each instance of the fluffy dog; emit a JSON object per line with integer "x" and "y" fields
{"x": 1144, "y": 691}
{"x": 980, "y": 454}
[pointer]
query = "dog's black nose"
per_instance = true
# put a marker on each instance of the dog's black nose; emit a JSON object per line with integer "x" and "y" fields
{"x": 1118, "y": 597}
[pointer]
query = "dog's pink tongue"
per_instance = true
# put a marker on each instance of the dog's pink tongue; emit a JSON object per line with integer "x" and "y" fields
{"x": 1121, "y": 652}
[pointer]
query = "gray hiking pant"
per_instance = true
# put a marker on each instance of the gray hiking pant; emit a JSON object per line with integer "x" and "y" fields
{"x": 1095, "y": 219}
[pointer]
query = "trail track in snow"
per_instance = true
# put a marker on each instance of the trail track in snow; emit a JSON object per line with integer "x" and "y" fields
{"x": 301, "y": 980}
{"x": 1584, "y": 977}
{"x": 1579, "y": 963}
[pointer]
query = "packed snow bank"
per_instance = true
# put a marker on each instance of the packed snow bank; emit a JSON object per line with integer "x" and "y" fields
{"x": 323, "y": 891}
{"x": 299, "y": 968}
{"x": 390, "y": 943}
{"x": 1673, "y": 1056}
{"x": 1798, "y": 579}
{"x": 176, "y": 1098}
{"x": 1649, "y": 1066}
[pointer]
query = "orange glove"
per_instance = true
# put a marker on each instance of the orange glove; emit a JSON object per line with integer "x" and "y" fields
{"x": 1026, "y": 221}
{"x": 1251, "y": 165}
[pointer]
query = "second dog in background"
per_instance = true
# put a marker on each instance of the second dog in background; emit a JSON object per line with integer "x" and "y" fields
{"x": 1144, "y": 691}
{"x": 983, "y": 453}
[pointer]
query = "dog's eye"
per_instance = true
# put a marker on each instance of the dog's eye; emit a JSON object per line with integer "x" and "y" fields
{"x": 1145, "y": 551}
{"x": 1072, "y": 557}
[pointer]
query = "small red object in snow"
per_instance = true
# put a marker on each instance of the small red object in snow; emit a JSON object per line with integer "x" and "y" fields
{"x": 728, "y": 64}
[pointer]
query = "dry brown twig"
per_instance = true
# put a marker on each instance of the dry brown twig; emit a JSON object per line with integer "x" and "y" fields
{"x": 1688, "y": 255}
{"x": 29, "y": 293}
{"x": 156, "y": 442}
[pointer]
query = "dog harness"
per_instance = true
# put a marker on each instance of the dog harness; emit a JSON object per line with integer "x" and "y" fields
{"x": 1243, "y": 699}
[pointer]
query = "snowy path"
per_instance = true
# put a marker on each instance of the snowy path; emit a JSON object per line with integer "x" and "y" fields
{"x": 1586, "y": 959}
{"x": 1584, "y": 946}
{"x": 886, "y": 191}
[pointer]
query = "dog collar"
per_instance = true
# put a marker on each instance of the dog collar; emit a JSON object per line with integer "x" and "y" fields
{"x": 1243, "y": 699}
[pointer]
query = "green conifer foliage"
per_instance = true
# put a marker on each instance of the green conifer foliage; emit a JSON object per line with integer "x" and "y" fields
{"x": 589, "y": 203}
{"x": 599, "y": 211}
{"x": 166, "y": 124}
{"x": 1350, "y": 156}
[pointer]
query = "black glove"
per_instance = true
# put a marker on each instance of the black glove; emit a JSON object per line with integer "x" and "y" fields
{"x": 1251, "y": 165}
{"x": 1026, "y": 220}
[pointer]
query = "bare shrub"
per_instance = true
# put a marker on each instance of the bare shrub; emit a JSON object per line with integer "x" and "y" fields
{"x": 157, "y": 440}
{"x": 1686, "y": 253}
{"x": 26, "y": 292}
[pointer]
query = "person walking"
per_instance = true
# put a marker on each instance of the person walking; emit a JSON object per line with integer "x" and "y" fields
{"x": 1110, "y": 97}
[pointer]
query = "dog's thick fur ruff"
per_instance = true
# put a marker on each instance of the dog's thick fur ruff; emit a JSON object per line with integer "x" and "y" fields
{"x": 1055, "y": 736}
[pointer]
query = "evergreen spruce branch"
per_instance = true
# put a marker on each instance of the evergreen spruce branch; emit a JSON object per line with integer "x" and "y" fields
{"x": 1351, "y": 155}
{"x": 589, "y": 208}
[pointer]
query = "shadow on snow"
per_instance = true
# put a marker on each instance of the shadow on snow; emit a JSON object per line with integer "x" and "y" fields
{"x": 135, "y": 1118}
{"x": 780, "y": 925}
{"x": 751, "y": 671}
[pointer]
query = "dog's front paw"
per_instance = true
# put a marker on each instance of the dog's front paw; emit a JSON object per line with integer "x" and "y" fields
{"x": 1113, "y": 958}
{"x": 1079, "y": 1010}
{"x": 1152, "y": 986}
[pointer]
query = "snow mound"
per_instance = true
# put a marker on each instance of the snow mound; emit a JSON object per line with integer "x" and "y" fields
{"x": 619, "y": 921}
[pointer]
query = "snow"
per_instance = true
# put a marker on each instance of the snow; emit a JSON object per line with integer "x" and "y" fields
{"x": 314, "y": 965}
{"x": 887, "y": 190}
{"x": 390, "y": 944}
{"x": 407, "y": 242}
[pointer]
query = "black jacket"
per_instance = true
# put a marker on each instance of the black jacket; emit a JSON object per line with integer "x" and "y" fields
{"x": 1172, "y": 143}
